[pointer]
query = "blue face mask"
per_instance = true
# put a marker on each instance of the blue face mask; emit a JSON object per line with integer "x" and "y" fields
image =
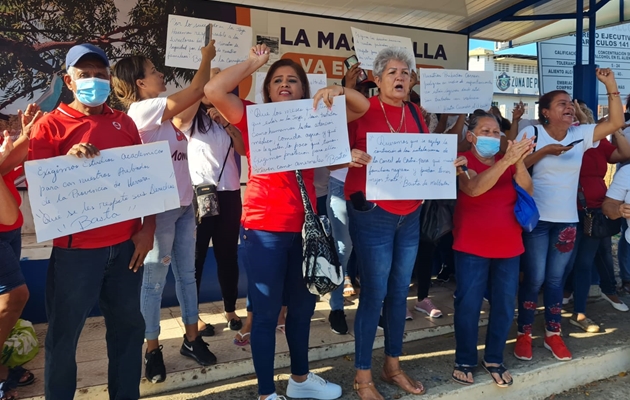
{"x": 487, "y": 146}
{"x": 92, "y": 92}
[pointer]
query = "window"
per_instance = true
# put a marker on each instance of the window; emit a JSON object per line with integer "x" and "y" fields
{"x": 501, "y": 67}
{"x": 525, "y": 69}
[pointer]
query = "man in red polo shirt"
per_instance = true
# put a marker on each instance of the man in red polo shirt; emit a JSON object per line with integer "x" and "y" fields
{"x": 100, "y": 264}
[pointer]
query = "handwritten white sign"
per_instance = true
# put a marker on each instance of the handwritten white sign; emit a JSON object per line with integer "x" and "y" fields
{"x": 186, "y": 36}
{"x": 411, "y": 166}
{"x": 367, "y": 45}
{"x": 315, "y": 82}
{"x": 70, "y": 194}
{"x": 290, "y": 135}
{"x": 455, "y": 91}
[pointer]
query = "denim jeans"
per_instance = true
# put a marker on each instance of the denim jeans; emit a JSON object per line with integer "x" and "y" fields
{"x": 10, "y": 271}
{"x": 76, "y": 280}
{"x": 338, "y": 215}
{"x": 273, "y": 261}
{"x": 474, "y": 274}
{"x": 548, "y": 250}
{"x": 623, "y": 253}
{"x": 386, "y": 245}
{"x": 173, "y": 245}
{"x": 590, "y": 254}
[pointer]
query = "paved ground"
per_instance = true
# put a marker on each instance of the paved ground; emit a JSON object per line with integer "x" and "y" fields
{"x": 431, "y": 361}
{"x": 613, "y": 388}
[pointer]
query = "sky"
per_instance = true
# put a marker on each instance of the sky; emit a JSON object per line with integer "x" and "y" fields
{"x": 528, "y": 49}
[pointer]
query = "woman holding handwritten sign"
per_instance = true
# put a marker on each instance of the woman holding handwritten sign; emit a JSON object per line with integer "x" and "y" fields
{"x": 138, "y": 84}
{"x": 271, "y": 226}
{"x": 385, "y": 233}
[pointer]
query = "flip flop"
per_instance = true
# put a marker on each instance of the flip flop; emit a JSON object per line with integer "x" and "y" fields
{"x": 281, "y": 328}
{"x": 18, "y": 374}
{"x": 244, "y": 340}
{"x": 465, "y": 370}
{"x": 500, "y": 370}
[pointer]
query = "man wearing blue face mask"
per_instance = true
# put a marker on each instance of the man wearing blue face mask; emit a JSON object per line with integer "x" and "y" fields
{"x": 101, "y": 264}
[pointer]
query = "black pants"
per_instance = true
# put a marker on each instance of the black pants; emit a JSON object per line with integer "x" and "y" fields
{"x": 223, "y": 230}
{"x": 423, "y": 268}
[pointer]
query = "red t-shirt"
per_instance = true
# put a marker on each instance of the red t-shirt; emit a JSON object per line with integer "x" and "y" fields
{"x": 374, "y": 121}
{"x": 592, "y": 173}
{"x": 485, "y": 225}
{"x": 9, "y": 180}
{"x": 56, "y": 133}
{"x": 273, "y": 202}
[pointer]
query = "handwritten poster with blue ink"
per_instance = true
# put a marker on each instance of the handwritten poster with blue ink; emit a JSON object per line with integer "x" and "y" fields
{"x": 290, "y": 135}
{"x": 368, "y": 44}
{"x": 454, "y": 91}
{"x": 411, "y": 166}
{"x": 70, "y": 194}
{"x": 186, "y": 36}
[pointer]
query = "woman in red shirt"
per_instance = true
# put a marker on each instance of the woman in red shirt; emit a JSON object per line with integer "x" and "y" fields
{"x": 591, "y": 252}
{"x": 385, "y": 234}
{"x": 271, "y": 226}
{"x": 13, "y": 291}
{"x": 490, "y": 260}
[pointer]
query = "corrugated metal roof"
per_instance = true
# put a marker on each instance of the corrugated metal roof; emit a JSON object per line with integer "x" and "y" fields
{"x": 445, "y": 15}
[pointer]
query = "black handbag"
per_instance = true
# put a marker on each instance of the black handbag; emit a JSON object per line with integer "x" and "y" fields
{"x": 206, "y": 198}
{"x": 320, "y": 266}
{"x": 596, "y": 224}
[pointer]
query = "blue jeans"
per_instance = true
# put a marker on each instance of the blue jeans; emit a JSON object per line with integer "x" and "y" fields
{"x": 10, "y": 271}
{"x": 386, "y": 245}
{"x": 76, "y": 280}
{"x": 173, "y": 245}
{"x": 623, "y": 253}
{"x": 338, "y": 215}
{"x": 474, "y": 274}
{"x": 590, "y": 254}
{"x": 273, "y": 261}
{"x": 548, "y": 250}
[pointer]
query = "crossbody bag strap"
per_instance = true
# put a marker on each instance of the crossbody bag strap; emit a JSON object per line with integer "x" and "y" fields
{"x": 225, "y": 160}
{"x": 581, "y": 197}
{"x": 531, "y": 169}
{"x": 308, "y": 207}
{"x": 415, "y": 115}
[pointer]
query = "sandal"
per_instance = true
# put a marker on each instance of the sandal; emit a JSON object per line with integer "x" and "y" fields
{"x": 389, "y": 378}
{"x": 21, "y": 375}
{"x": 348, "y": 289}
{"x": 369, "y": 385}
{"x": 281, "y": 328}
{"x": 464, "y": 369}
{"x": 500, "y": 370}
{"x": 243, "y": 341}
{"x": 7, "y": 390}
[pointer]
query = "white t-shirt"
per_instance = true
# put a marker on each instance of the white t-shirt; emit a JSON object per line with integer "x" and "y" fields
{"x": 556, "y": 177}
{"x": 147, "y": 114}
{"x": 339, "y": 174}
{"x": 206, "y": 154}
{"x": 620, "y": 190}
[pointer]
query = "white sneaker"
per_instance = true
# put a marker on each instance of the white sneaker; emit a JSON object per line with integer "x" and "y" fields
{"x": 566, "y": 300}
{"x": 618, "y": 306}
{"x": 314, "y": 387}
{"x": 274, "y": 396}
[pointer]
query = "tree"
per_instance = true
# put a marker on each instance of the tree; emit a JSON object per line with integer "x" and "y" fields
{"x": 36, "y": 35}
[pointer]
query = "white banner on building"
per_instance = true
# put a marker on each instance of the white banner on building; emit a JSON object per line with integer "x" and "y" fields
{"x": 557, "y": 58}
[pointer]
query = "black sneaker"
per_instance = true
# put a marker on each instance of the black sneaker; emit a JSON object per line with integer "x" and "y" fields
{"x": 198, "y": 350}
{"x": 154, "y": 368}
{"x": 381, "y": 323}
{"x": 338, "y": 323}
{"x": 207, "y": 331}
{"x": 444, "y": 275}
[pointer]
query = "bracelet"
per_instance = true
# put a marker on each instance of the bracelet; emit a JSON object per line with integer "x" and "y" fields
{"x": 614, "y": 94}
{"x": 226, "y": 125}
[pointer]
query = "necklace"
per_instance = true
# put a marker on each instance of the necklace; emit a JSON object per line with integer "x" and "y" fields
{"x": 402, "y": 118}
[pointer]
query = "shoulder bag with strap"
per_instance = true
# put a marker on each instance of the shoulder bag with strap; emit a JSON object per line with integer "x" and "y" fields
{"x": 320, "y": 267}
{"x": 436, "y": 216}
{"x": 206, "y": 199}
{"x": 596, "y": 224}
{"x": 525, "y": 209}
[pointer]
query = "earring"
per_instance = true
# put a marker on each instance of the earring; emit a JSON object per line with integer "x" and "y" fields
{"x": 545, "y": 121}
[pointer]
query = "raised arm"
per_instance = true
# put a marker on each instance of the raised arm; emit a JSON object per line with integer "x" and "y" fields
{"x": 9, "y": 211}
{"x": 622, "y": 152}
{"x": 616, "y": 119}
{"x": 356, "y": 104}
{"x": 182, "y": 106}
{"x": 219, "y": 90}
{"x": 20, "y": 146}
